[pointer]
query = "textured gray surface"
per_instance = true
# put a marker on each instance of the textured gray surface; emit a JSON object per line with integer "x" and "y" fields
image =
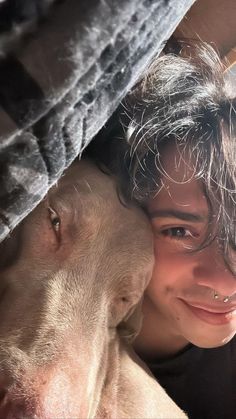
{"x": 64, "y": 84}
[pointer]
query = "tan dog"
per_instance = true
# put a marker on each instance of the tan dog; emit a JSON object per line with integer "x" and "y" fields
{"x": 71, "y": 275}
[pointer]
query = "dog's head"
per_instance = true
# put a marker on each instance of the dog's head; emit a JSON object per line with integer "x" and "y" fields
{"x": 73, "y": 272}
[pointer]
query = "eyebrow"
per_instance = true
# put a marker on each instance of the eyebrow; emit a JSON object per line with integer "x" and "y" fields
{"x": 182, "y": 215}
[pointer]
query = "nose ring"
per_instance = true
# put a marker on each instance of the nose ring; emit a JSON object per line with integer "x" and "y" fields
{"x": 226, "y": 299}
{"x": 216, "y": 297}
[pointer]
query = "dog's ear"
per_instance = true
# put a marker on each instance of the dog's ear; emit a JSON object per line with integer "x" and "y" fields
{"x": 130, "y": 326}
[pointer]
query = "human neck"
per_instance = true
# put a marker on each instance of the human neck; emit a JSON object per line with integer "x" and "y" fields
{"x": 157, "y": 339}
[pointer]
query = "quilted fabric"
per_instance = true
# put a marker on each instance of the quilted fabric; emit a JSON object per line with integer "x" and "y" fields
{"x": 64, "y": 83}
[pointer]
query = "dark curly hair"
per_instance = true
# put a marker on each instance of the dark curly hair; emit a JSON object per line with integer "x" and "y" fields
{"x": 187, "y": 101}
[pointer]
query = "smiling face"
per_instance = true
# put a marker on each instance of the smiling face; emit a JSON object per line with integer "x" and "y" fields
{"x": 180, "y": 297}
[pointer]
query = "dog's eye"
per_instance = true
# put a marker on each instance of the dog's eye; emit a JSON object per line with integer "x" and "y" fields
{"x": 55, "y": 220}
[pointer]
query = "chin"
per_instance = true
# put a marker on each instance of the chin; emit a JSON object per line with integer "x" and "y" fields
{"x": 209, "y": 332}
{"x": 211, "y": 342}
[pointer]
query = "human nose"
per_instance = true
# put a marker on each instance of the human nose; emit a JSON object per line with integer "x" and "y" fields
{"x": 211, "y": 271}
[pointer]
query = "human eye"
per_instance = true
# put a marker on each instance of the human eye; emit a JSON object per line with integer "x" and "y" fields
{"x": 177, "y": 233}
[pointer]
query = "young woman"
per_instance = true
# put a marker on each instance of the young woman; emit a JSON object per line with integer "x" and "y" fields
{"x": 181, "y": 162}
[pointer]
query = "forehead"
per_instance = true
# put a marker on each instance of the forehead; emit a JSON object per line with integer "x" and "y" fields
{"x": 179, "y": 188}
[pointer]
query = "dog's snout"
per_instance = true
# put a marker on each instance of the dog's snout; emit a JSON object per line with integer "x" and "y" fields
{"x": 43, "y": 393}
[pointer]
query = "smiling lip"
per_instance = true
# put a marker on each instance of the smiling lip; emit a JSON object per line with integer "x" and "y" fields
{"x": 211, "y": 315}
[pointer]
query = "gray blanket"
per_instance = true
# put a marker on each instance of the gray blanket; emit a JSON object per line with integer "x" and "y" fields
{"x": 62, "y": 85}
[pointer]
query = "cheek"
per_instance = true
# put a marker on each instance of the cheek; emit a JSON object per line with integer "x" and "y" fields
{"x": 38, "y": 243}
{"x": 172, "y": 270}
{"x": 167, "y": 259}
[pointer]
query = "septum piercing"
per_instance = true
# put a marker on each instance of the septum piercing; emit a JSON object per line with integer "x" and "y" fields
{"x": 216, "y": 297}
